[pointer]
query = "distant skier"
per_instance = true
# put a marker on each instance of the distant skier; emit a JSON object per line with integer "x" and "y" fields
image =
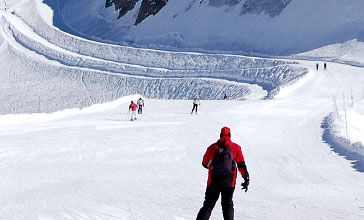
{"x": 133, "y": 108}
{"x": 140, "y": 104}
{"x": 196, "y": 103}
{"x": 325, "y": 66}
{"x": 317, "y": 66}
{"x": 222, "y": 160}
{"x": 225, "y": 96}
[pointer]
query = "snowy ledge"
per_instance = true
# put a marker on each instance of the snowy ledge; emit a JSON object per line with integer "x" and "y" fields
{"x": 71, "y": 50}
{"x": 348, "y": 144}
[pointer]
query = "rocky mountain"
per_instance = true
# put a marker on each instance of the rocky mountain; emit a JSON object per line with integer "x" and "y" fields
{"x": 152, "y": 7}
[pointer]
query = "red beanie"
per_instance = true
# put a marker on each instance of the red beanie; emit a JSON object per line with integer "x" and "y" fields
{"x": 225, "y": 136}
{"x": 225, "y": 131}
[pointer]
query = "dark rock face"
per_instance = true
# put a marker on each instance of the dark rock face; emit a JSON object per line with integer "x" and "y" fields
{"x": 123, "y": 5}
{"x": 270, "y": 7}
{"x": 147, "y": 8}
{"x": 152, "y": 7}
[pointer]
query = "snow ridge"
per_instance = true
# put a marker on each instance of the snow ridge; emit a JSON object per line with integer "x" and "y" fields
{"x": 93, "y": 72}
{"x": 157, "y": 63}
{"x": 352, "y": 150}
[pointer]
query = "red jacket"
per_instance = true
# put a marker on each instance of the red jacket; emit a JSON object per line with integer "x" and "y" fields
{"x": 237, "y": 156}
{"x": 133, "y": 107}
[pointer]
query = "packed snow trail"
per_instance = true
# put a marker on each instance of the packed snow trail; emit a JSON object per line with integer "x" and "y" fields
{"x": 96, "y": 164}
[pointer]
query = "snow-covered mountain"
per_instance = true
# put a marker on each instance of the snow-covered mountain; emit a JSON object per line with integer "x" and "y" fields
{"x": 152, "y": 7}
{"x": 80, "y": 72}
{"x": 42, "y": 33}
{"x": 278, "y": 27}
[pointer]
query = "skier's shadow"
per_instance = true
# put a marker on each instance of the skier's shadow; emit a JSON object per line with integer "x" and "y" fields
{"x": 356, "y": 159}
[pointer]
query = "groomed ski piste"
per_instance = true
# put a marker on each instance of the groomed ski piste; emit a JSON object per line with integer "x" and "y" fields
{"x": 68, "y": 149}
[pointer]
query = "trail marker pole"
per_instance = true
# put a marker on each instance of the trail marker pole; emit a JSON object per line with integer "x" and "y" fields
{"x": 346, "y": 121}
{"x": 335, "y": 106}
{"x": 5, "y": 8}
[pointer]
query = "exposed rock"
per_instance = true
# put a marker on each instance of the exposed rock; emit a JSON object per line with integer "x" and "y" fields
{"x": 147, "y": 8}
{"x": 123, "y": 5}
{"x": 270, "y": 7}
{"x": 152, "y": 7}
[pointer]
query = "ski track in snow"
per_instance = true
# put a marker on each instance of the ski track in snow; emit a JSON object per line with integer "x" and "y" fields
{"x": 93, "y": 163}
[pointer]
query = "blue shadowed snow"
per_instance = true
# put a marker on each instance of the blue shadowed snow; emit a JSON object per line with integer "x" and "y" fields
{"x": 341, "y": 147}
{"x": 299, "y": 27}
{"x": 57, "y": 18}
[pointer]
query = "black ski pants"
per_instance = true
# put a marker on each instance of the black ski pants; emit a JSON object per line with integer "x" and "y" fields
{"x": 211, "y": 196}
{"x": 194, "y": 107}
{"x": 140, "y": 109}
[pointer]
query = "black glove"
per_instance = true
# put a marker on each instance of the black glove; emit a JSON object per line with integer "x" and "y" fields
{"x": 245, "y": 184}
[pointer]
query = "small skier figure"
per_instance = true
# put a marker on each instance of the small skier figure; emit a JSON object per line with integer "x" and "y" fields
{"x": 140, "y": 104}
{"x": 225, "y": 96}
{"x": 196, "y": 103}
{"x": 325, "y": 66}
{"x": 133, "y": 108}
{"x": 222, "y": 159}
{"x": 317, "y": 66}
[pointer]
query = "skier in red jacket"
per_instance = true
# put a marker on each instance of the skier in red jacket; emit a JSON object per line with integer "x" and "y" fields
{"x": 222, "y": 159}
{"x": 133, "y": 108}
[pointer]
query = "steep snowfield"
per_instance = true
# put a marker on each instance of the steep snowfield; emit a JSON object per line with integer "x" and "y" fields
{"x": 96, "y": 164}
{"x": 302, "y": 25}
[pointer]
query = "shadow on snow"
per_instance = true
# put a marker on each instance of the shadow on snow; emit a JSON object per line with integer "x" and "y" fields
{"x": 338, "y": 147}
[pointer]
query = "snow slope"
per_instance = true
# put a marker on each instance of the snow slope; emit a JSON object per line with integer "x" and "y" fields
{"x": 344, "y": 130}
{"x": 300, "y": 27}
{"x": 93, "y": 163}
{"x": 350, "y": 52}
{"x": 96, "y": 164}
{"x": 46, "y": 64}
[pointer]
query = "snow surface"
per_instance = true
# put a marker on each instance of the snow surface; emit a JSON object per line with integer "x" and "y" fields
{"x": 96, "y": 164}
{"x": 81, "y": 72}
{"x": 350, "y": 52}
{"x": 93, "y": 163}
{"x": 345, "y": 128}
{"x": 301, "y": 26}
